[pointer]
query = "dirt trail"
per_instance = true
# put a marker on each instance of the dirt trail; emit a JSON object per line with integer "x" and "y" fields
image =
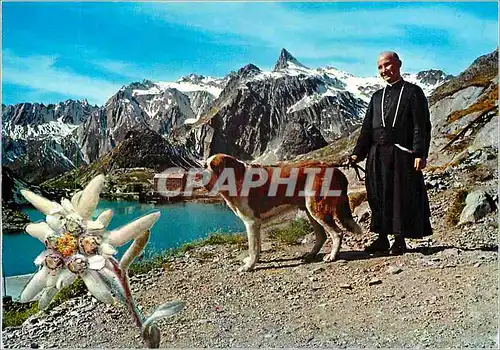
{"x": 446, "y": 297}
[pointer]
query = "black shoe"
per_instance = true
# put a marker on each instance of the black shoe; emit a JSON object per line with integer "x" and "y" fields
{"x": 381, "y": 244}
{"x": 399, "y": 246}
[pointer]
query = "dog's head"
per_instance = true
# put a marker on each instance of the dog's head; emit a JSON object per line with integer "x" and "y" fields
{"x": 218, "y": 166}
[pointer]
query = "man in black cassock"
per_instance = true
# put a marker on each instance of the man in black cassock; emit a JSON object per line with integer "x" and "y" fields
{"x": 395, "y": 138}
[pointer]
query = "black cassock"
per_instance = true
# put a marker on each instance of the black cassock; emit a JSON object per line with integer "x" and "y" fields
{"x": 396, "y": 191}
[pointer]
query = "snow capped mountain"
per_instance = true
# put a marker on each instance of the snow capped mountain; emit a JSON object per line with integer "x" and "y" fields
{"x": 337, "y": 80}
{"x": 37, "y": 139}
{"x": 35, "y": 120}
{"x": 286, "y": 60}
{"x": 248, "y": 113}
{"x": 193, "y": 94}
{"x": 194, "y": 82}
{"x": 428, "y": 80}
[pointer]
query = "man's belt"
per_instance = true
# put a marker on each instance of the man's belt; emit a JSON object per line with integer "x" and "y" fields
{"x": 381, "y": 136}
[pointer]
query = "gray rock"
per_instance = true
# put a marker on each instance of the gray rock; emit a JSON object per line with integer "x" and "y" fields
{"x": 374, "y": 281}
{"x": 393, "y": 270}
{"x": 300, "y": 137}
{"x": 345, "y": 286}
{"x": 487, "y": 136}
{"x": 362, "y": 211}
{"x": 477, "y": 205}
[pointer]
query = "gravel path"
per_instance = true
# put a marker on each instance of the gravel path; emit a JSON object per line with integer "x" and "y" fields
{"x": 443, "y": 293}
{"x": 444, "y": 298}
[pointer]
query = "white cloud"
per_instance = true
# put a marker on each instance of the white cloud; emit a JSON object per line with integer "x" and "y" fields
{"x": 38, "y": 72}
{"x": 122, "y": 68}
{"x": 330, "y": 34}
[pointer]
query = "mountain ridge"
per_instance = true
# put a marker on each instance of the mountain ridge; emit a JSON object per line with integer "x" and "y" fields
{"x": 243, "y": 113}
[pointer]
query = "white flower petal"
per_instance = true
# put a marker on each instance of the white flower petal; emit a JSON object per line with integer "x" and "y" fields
{"x": 41, "y": 257}
{"x": 96, "y": 262}
{"x": 35, "y": 285}
{"x": 55, "y": 222}
{"x": 41, "y": 203}
{"x": 107, "y": 249}
{"x": 95, "y": 226}
{"x": 47, "y": 295}
{"x": 125, "y": 233}
{"x": 90, "y": 197}
{"x": 76, "y": 199}
{"x": 134, "y": 250}
{"x": 67, "y": 206}
{"x": 97, "y": 287}
{"x": 113, "y": 282}
{"x": 105, "y": 217}
{"x": 65, "y": 278}
{"x": 51, "y": 280}
{"x": 39, "y": 230}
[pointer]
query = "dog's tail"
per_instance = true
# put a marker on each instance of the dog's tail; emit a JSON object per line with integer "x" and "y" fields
{"x": 343, "y": 211}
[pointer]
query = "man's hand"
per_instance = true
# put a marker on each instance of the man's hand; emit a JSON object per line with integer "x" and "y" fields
{"x": 419, "y": 164}
{"x": 353, "y": 159}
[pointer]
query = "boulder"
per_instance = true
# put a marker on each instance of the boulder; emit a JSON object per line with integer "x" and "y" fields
{"x": 477, "y": 205}
{"x": 487, "y": 136}
{"x": 362, "y": 212}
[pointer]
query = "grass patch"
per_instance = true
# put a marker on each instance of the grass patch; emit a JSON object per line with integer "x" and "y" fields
{"x": 160, "y": 260}
{"x": 144, "y": 266}
{"x": 335, "y": 152}
{"x": 20, "y": 312}
{"x": 75, "y": 289}
{"x": 289, "y": 235}
{"x": 485, "y": 103}
{"x": 16, "y": 317}
{"x": 222, "y": 238}
{"x": 457, "y": 205}
{"x": 67, "y": 180}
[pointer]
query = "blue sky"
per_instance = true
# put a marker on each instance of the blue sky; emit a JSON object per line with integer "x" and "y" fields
{"x": 55, "y": 51}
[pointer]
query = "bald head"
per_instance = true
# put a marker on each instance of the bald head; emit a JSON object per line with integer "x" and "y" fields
{"x": 389, "y": 54}
{"x": 389, "y": 66}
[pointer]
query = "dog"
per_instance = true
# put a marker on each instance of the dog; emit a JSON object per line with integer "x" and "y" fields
{"x": 257, "y": 193}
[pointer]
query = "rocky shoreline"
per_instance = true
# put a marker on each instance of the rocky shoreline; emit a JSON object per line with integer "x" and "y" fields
{"x": 13, "y": 220}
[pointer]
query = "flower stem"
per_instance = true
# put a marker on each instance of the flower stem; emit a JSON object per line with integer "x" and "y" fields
{"x": 132, "y": 307}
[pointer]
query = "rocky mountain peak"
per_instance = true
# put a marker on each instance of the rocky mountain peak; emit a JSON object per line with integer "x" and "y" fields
{"x": 143, "y": 85}
{"x": 486, "y": 65}
{"x": 192, "y": 78}
{"x": 34, "y": 114}
{"x": 248, "y": 70}
{"x": 480, "y": 73}
{"x": 433, "y": 76}
{"x": 286, "y": 60}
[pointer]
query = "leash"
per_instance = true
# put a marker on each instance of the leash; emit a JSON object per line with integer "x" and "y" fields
{"x": 357, "y": 168}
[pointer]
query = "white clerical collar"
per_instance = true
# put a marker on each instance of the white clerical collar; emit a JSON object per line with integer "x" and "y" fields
{"x": 391, "y": 85}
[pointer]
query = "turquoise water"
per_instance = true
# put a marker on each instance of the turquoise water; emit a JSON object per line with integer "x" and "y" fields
{"x": 178, "y": 224}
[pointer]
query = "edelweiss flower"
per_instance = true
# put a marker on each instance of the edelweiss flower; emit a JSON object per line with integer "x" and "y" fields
{"x": 76, "y": 245}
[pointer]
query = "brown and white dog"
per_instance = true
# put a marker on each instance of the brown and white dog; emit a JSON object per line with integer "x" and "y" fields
{"x": 315, "y": 187}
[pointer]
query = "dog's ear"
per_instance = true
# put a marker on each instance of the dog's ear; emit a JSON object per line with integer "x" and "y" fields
{"x": 213, "y": 164}
{"x": 236, "y": 165}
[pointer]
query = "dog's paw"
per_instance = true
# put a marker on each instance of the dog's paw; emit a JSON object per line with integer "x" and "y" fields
{"x": 245, "y": 268}
{"x": 329, "y": 258}
{"x": 247, "y": 265}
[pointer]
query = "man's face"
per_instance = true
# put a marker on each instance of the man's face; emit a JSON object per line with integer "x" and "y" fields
{"x": 389, "y": 68}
